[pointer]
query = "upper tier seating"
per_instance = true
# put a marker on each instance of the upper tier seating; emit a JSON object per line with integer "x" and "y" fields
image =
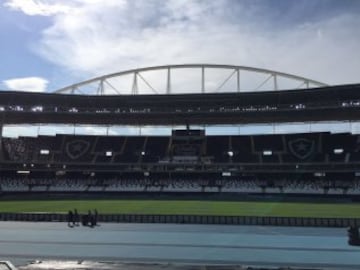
{"x": 255, "y": 149}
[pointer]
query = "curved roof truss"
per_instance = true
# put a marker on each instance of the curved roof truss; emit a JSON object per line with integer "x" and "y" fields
{"x": 198, "y": 78}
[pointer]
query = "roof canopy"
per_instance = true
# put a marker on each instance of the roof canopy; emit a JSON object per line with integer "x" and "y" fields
{"x": 189, "y": 78}
{"x": 316, "y": 104}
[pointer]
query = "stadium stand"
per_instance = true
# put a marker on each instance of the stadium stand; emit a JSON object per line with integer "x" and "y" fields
{"x": 321, "y": 148}
{"x": 257, "y": 183}
{"x": 219, "y": 185}
{"x": 187, "y": 160}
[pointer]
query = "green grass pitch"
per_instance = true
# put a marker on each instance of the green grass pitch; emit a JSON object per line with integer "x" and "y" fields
{"x": 222, "y": 208}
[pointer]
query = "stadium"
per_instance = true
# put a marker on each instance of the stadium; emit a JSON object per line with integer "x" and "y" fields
{"x": 209, "y": 166}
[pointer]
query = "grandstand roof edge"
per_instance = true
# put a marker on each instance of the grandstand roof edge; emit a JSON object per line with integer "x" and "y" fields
{"x": 185, "y": 66}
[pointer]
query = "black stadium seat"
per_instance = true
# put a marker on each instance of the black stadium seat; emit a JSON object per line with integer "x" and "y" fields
{"x": 188, "y": 161}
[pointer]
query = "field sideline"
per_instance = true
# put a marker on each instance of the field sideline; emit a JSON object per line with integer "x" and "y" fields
{"x": 222, "y": 208}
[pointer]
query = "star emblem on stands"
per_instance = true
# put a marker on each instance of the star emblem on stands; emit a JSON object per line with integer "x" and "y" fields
{"x": 301, "y": 148}
{"x": 77, "y": 148}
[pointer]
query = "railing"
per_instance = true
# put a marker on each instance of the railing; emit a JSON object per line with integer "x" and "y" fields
{"x": 192, "y": 219}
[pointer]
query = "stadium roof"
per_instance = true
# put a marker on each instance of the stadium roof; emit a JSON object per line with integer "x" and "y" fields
{"x": 316, "y": 104}
{"x": 197, "y": 78}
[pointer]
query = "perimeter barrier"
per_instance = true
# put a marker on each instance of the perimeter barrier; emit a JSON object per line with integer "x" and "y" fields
{"x": 191, "y": 219}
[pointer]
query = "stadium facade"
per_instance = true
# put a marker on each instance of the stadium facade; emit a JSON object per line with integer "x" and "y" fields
{"x": 188, "y": 160}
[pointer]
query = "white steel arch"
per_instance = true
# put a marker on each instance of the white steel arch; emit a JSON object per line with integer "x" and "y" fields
{"x": 103, "y": 85}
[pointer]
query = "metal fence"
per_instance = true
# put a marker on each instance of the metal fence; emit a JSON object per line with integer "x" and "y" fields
{"x": 191, "y": 219}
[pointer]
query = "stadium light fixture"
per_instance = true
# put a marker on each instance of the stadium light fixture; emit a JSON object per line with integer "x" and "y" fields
{"x": 319, "y": 174}
{"x": 44, "y": 151}
{"x": 230, "y": 153}
{"x": 338, "y": 151}
{"x": 108, "y": 154}
{"x": 143, "y": 153}
{"x": 59, "y": 173}
{"x": 226, "y": 174}
{"x": 267, "y": 152}
{"x": 37, "y": 109}
{"x": 23, "y": 172}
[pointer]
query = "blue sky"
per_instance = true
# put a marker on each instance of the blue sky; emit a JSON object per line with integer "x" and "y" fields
{"x": 17, "y": 34}
{"x": 47, "y": 44}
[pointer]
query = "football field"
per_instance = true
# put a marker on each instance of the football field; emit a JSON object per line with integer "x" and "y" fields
{"x": 222, "y": 208}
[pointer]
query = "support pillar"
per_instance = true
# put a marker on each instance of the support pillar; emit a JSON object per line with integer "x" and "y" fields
{"x": 168, "y": 82}
{"x": 203, "y": 79}
{"x": 275, "y": 82}
{"x": 135, "y": 85}
{"x": 1, "y": 142}
{"x": 238, "y": 80}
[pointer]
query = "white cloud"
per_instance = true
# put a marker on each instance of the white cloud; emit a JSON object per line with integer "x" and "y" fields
{"x": 30, "y": 84}
{"x": 97, "y": 37}
{"x": 34, "y": 7}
